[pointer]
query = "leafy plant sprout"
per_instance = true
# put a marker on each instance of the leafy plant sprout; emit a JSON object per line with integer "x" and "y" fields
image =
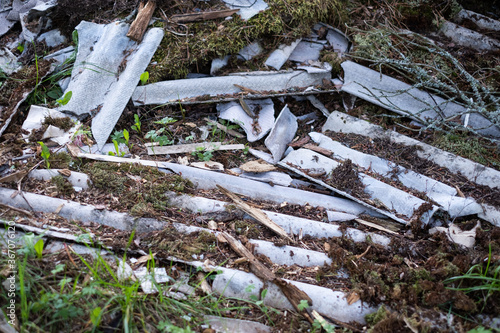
{"x": 45, "y": 153}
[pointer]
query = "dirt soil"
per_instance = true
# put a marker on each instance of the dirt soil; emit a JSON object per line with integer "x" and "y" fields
{"x": 413, "y": 283}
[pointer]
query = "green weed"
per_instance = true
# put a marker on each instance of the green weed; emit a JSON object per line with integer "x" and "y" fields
{"x": 45, "y": 153}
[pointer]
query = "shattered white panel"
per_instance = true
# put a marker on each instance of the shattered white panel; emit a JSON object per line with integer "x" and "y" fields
{"x": 175, "y": 90}
{"x": 475, "y": 172}
{"x": 404, "y": 99}
{"x": 250, "y": 51}
{"x": 233, "y": 112}
{"x": 37, "y": 115}
{"x": 148, "y": 280}
{"x": 248, "y": 8}
{"x": 290, "y": 255}
{"x": 106, "y": 71}
{"x": 281, "y": 134}
{"x": 281, "y": 54}
{"x": 455, "y": 234}
{"x": 306, "y": 51}
{"x": 388, "y": 197}
{"x": 443, "y": 194}
{"x": 5, "y": 24}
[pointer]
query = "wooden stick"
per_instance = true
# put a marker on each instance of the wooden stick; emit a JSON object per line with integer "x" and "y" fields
{"x": 256, "y": 214}
{"x": 195, "y": 17}
{"x": 141, "y": 22}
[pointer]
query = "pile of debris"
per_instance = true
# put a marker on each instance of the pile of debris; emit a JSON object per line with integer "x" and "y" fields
{"x": 328, "y": 196}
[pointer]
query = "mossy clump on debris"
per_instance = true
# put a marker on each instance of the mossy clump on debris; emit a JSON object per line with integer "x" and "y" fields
{"x": 139, "y": 188}
{"x": 282, "y": 22}
{"x": 63, "y": 186}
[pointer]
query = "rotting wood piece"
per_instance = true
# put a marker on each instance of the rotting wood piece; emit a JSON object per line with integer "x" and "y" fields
{"x": 196, "y": 17}
{"x": 256, "y": 214}
{"x": 141, "y": 22}
{"x": 294, "y": 295}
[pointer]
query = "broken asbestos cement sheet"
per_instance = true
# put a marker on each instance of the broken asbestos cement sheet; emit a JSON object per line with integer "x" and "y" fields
{"x": 231, "y": 325}
{"x": 474, "y": 172}
{"x": 179, "y": 90}
{"x": 281, "y": 134}
{"x": 106, "y": 71}
{"x": 248, "y": 8}
{"x": 441, "y": 193}
{"x": 406, "y": 100}
{"x": 383, "y": 195}
{"x": 255, "y": 128}
{"x": 281, "y": 55}
{"x": 469, "y": 38}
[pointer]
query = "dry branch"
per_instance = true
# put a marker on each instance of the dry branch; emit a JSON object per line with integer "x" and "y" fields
{"x": 141, "y": 22}
{"x": 256, "y": 214}
{"x": 196, "y": 17}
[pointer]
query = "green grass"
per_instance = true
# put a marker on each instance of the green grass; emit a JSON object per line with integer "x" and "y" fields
{"x": 85, "y": 294}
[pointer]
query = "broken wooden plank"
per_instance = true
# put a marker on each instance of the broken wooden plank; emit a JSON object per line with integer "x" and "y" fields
{"x": 190, "y": 147}
{"x": 375, "y": 226}
{"x": 196, "y": 17}
{"x": 141, "y": 22}
{"x": 256, "y": 214}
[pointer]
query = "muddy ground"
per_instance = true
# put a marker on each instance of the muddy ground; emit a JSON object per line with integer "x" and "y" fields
{"x": 409, "y": 282}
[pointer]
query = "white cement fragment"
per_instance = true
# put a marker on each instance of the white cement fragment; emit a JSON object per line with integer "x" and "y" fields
{"x": 250, "y": 51}
{"x": 37, "y": 115}
{"x": 469, "y": 38}
{"x": 5, "y": 24}
{"x": 218, "y": 63}
{"x": 74, "y": 211}
{"x": 175, "y": 90}
{"x": 296, "y": 225}
{"x": 394, "y": 199}
{"x": 248, "y": 8}
{"x": 233, "y": 112}
{"x": 52, "y": 38}
{"x": 475, "y": 172}
{"x": 443, "y": 194}
{"x": 305, "y": 51}
{"x": 231, "y": 325}
{"x": 339, "y": 217}
{"x": 106, "y": 71}
{"x": 404, "y": 99}
{"x": 327, "y": 302}
{"x": 338, "y": 41}
{"x": 282, "y": 134}
{"x": 290, "y": 255}
{"x": 281, "y": 55}
{"x": 270, "y": 177}
{"x": 79, "y": 180}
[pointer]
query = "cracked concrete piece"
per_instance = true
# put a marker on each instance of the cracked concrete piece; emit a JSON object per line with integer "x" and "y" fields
{"x": 52, "y": 38}
{"x": 106, "y": 72}
{"x": 234, "y": 112}
{"x": 402, "y": 98}
{"x": 282, "y": 134}
{"x": 8, "y": 61}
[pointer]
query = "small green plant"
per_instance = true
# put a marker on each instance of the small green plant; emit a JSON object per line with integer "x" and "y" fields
{"x": 137, "y": 125}
{"x": 202, "y": 154}
{"x": 95, "y": 316}
{"x": 20, "y": 48}
{"x": 165, "y": 121}
{"x": 45, "y": 153}
{"x": 303, "y": 305}
{"x": 118, "y": 136}
{"x": 65, "y": 99}
{"x": 478, "y": 279}
{"x": 144, "y": 77}
{"x": 155, "y": 136}
{"x": 117, "y": 150}
{"x": 126, "y": 135}
{"x": 39, "y": 248}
